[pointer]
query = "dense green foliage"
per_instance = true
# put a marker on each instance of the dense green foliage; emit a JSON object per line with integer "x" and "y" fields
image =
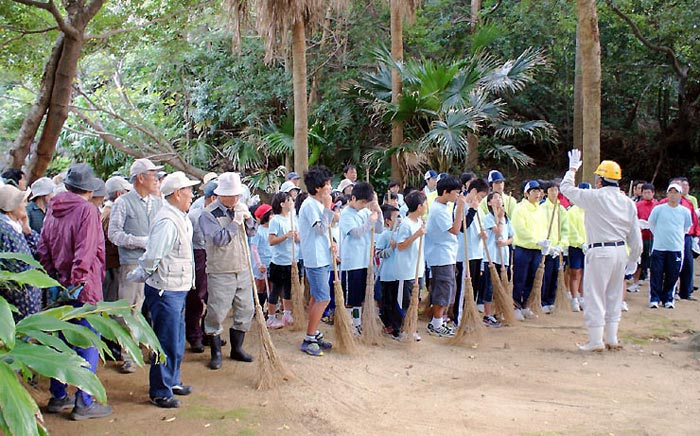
{"x": 175, "y": 81}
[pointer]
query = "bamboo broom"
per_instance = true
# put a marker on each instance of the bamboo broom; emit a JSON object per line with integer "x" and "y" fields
{"x": 342, "y": 325}
{"x": 470, "y": 322}
{"x": 371, "y": 323}
{"x": 410, "y": 322}
{"x": 298, "y": 309}
{"x": 271, "y": 370}
{"x": 560, "y": 300}
{"x": 534, "y": 301}
{"x": 502, "y": 301}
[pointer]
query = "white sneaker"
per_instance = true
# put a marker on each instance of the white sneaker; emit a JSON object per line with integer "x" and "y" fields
{"x": 596, "y": 348}
{"x": 519, "y": 315}
{"x": 634, "y": 287}
{"x": 480, "y": 308}
{"x": 669, "y": 305}
{"x": 654, "y": 305}
{"x": 546, "y": 309}
{"x": 527, "y": 313}
{"x": 580, "y": 303}
{"x": 273, "y": 323}
{"x": 624, "y": 307}
{"x": 287, "y": 319}
{"x": 574, "y": 305}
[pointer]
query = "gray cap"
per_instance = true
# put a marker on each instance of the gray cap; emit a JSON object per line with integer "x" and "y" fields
{"x": 81, "y": 176}
{"x": 143, "y": 165}
{"x": 116, "y": 184}
{"x": 101, "y": 191}
{"x": 42, "y": 186}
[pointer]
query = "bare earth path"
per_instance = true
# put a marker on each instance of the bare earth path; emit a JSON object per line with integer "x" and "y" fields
{"x": 527, "y": 379}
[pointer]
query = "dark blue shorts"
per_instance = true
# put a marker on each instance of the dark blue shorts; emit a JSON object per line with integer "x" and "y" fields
{"x": 576, "y": 258}
{"x": 354, "y": 283}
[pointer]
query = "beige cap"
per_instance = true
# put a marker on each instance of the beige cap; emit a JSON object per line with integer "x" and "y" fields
{"x": 344, "y": 184}
{"x": 173, "y": 182}
{"x": 11, "y": 197}
{"x": 116, "y": 184}
{"x": 141, "y": 166}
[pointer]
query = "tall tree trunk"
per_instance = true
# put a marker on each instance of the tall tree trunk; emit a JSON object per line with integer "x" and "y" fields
{"x": 32, "y": 121}
{"x": 396, "y": 84}
{"x": 589, "y": 40}
{"x": 301, "y": 145}
{"x": 474, "y": 17}
{"x": 472, "y": 151}
{"x": 578, "y": 99}
{"x": 58, "y": 109}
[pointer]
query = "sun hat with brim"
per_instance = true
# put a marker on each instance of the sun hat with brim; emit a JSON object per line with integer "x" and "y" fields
{"x": 101, "y": 191}
{"x": 262, "y": 210}
{"x": 344, "y": 184}
{"x": 529, "y": 186}
{"x": 80, "y": 176}
{"x": 116, "y": 184}
{"x": 41, "y": 187}
{"x": 229, "y": 185}
{"x": 11, "y": 197}
{"x": 288, "y": 186}
{"x": 173, "y": 182}
{"x": 675, "y": 186}
{"x": 143, "y": 165}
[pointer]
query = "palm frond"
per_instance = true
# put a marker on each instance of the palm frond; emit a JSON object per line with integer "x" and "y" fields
{"x": 265, "y": 180}
{"x": 514, "y": 75}
{"x": 537, "y": 130}
{"x": 484, "y": 106}
{"x": 509, "y": 154}
{"x": 450, "y": 135}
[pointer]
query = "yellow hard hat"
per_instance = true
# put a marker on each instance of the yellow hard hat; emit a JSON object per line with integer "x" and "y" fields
{"x": 609, "y": 169}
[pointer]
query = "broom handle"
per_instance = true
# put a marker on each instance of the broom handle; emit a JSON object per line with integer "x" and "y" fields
{"x": 291, "y": 220}
{"x": 551, "y": 220}
{"x": 466, "y": 246}
{"x": 371, "y": 247}
{"x": 486, "y": 246}
{"x": 250, "y": 264}
{"x": 335, "y": 266}
{"x": 418, "y": 259}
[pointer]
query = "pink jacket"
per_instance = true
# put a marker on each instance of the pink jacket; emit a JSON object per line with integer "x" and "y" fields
{"x": 72, "y": 245}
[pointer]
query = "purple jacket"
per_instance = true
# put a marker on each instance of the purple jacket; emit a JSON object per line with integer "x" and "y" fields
{"x": 72, "y": 245}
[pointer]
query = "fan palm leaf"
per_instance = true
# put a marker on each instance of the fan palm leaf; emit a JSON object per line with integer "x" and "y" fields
{"x": 513, "y": 75}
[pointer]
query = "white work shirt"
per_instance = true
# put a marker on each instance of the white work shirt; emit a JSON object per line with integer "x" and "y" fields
{"x": 610, "y": 215}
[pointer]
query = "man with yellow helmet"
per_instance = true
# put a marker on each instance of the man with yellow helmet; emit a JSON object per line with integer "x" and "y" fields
{"x": 611, "y": 221}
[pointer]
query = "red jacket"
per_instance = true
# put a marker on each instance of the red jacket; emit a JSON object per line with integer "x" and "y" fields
{"x": 72, "y": 245}
{"x": 695, "y": 228}
{"x": 644, "y": 208}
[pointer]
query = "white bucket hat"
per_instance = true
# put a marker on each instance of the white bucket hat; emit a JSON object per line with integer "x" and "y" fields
{"x": 42, "y": 186}
{"x": 229, "y": 185}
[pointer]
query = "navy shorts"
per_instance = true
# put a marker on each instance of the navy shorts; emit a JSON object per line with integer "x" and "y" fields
{"x": 354, "y": 284}
{"x": 576, "y": 258}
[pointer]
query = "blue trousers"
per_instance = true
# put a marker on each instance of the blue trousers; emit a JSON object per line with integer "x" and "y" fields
{"x": 549, "y": 281}
{"x": 91, "y": 355}
{"x": 665, "y": 268}
{"x": 525, "y": 263}
{"x": 168, "y": 320}
{"x": 686, "y": 283}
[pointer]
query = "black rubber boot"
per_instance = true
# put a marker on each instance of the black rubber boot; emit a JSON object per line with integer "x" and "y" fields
{"x": 237, "y": 352}
{"x": 215, "y": 343}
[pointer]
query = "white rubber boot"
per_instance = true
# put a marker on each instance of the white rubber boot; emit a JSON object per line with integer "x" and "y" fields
{"x": 611, "y": 342}
{"x": 595, "y": 340}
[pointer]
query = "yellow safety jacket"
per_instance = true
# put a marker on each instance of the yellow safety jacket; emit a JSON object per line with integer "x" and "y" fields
{"x": 529, "y": 225}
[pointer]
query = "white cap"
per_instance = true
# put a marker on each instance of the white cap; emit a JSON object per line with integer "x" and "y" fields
{"x": 141, "y": 166}
{"x": 116, "y": 184}
{"x": 208, "y": 177}
{"x": 344, "y": 184}
{"x": 42, "y": 186}
{"x": 173, "y": 182}
{"x": 229, "y": 185}
{"x": 675, "y": 186}
{"x": 288, "y": 186}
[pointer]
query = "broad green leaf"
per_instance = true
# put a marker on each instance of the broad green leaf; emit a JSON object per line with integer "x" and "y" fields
{"x": 24, "y": 257}
{"x": 7, "y": 325}
{"x": 17, "y": 407}
{"x": 74, "y": 334}
{"x": 66, "y": 367}
{"x": 144, "y": 334}
{"x": 50, "y": 340}
{"x": 31, "y": 277}
{"x": 112, "y": 330}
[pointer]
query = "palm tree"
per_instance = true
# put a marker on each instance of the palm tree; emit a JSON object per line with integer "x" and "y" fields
{"x": 275, "y": 21}
{"x": 400, "y": 9}
{"x": 442, "y": 103}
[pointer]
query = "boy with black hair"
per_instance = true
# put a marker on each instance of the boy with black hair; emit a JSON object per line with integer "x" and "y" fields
{"x": 441, "y": 250}
{"x": 385, "y": 249}
{"x": 350, "y": 172}
{"x": 315, "y": 216}
{"x": 356, "y": 223}
{"x": 558, "y": 239}
{"x": 476, "y": 190}
{"x": 395, "y": 187}
{"x": 644, "y": 206}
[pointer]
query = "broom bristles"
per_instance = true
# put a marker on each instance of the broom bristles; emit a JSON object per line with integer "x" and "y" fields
{"x": 342, "y": 325}
{"x": 501, "y": 299}
{"x": 410, "y": 321}
{"x": 371, "y": 323}
{"x": 298, "y": 309}
{"x": 534, "y": 301}
{"x": 560, "y": 301}
{"x": 470, "y": 322}
{"x": 271, "y": 370}
{"x": 424, "y": 305}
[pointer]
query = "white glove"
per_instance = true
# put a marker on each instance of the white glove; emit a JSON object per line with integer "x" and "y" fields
{"x": 252, "y": 201}
{"x": 584, "y": 248}
{"x": 644, "y": 225}
{"x": 544, "y": 245}
{"x": 696, "y": 245}
{"x": 565, "y": 251}
{"x": 554, "y": 251}
{"x": 137, "y": 276}
{"x": 630, "y": 268}
{"x": 575, "y": 159}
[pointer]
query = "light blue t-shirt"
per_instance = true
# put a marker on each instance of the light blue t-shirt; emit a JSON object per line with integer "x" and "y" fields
{"x": 506, "y": 232}
{"x": 314, "y": 220}
{"x": 387, "y": 265}
{"x": 355, "y": 238}
{"x": 476, "y": 244}
{"x": 261, "y": 241}
{"x": 282, "y": 252}
{"x": 440, "y": 244}
{"x": 406, "y": 259}
{"x": 669, "y": 226}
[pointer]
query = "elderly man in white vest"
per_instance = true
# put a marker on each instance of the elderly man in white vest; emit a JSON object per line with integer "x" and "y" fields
{"x": 228, "y": 277}
{"x": 167, "y": 266}
{"x": 130, "y": 219}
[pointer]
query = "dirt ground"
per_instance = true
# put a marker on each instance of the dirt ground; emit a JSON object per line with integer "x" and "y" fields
{"x": 523, "y": 380}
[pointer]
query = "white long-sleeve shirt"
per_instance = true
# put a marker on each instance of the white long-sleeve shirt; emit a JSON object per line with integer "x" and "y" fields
{"x": 610, "y": 215}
